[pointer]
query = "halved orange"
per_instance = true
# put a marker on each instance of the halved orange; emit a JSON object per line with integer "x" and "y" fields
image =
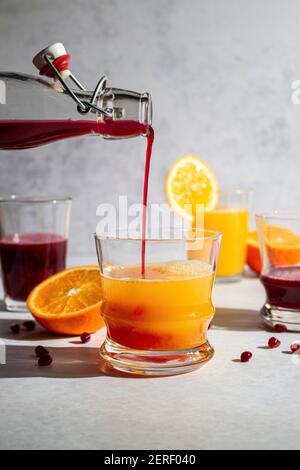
{"x": 69, "y": 302}
{"x": 283, "y": 245}
{"x": 253, "y": 253}
{"x": 190, "y": 181}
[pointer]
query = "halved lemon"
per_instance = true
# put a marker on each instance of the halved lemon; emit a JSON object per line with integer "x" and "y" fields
{"x": 69, "y": 302}
{"x": 190, "y": 181}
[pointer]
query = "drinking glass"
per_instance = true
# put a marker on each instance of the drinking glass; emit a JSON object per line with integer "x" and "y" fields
{"x": 231, "y": 218}
{"x": 33, "y": 244}
{"x": 279, "y": 236}
{"x": 157, "y": 322}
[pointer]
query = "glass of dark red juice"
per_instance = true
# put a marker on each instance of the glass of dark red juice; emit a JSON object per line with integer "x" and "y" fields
{"x": 33, "y": 244}
{"x": 279, "y": 235}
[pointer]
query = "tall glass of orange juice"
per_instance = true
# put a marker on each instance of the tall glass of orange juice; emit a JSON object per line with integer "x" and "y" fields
{"x": 157, "y": 321}
{"x": 231, "y": 217}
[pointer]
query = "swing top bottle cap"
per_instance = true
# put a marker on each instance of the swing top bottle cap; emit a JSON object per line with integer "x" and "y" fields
{"x": 58, "y": 56}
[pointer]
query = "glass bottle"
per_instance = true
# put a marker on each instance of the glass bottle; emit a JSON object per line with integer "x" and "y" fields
{"x": 36, "y": 110}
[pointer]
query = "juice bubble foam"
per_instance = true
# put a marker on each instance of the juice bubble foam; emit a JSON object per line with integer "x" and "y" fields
{"x": 169, "y": 271}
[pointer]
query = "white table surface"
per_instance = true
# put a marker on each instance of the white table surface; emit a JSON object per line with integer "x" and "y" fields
{"x": 223, "y": 405}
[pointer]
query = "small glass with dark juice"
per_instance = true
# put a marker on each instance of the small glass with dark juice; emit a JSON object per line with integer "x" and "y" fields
{"x": 279, "y": 235}
{"x": 33, "y": 244}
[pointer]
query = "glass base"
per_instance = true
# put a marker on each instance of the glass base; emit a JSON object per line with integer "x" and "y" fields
{"x": 273, "y": 316}
{"x": 154, "y": 363}
{"x": 15, "y": 305}
{"x": 223, "y": 279}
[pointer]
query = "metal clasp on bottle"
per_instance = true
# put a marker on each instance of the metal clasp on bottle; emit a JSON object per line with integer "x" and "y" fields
{"x": 83, "y": 106}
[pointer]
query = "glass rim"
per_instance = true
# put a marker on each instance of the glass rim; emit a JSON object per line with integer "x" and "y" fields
{"x": 277, "y": 214}
{"x": 15, "y": 199}
{"x": 234, "y": 190}
{"x": 123, "y": 235}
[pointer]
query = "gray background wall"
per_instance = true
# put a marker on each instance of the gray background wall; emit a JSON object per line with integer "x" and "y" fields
{"x": 220, "y": 74}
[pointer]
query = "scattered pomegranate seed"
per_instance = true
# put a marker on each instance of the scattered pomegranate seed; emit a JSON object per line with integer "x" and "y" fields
{"x": 15, "y": 329}
{"x": 45, "y": 360}
{"x": 246, "y": 356}
{"x": 280, "y": 328}
{"x": 273, "y": 343}
{"x": 85, "y": 337}
{"x": 29, "y": 325}
{"x": 295, "y": 347}
{"x": 41, "y": 351}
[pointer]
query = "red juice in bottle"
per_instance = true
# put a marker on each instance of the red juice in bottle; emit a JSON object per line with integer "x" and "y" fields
{"x": 28, "y": 259}
{"x": 23, "y": 134}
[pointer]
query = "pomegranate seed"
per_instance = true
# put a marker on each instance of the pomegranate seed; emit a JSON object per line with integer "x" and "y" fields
{"x": 280, "y": 328}
{"x": 15, "y": 329}
{"x": 41, "y": 351}
{"x": 273, "y": 343}
{"x": 45, "y": 360}
{"x": 29, "y": 325}
{"x": 295, "y": 347}
{"x": 246, "y": 356}
{"x": 85, "y": 337}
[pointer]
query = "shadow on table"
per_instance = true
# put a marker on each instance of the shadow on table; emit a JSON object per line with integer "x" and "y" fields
{"x": 236, "y": 319}
{"x": 39, "y": 334}
{"x": 68, "y": 362}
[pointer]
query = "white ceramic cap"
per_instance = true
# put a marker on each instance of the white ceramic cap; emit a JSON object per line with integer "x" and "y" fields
{"x": 54, "y": 51}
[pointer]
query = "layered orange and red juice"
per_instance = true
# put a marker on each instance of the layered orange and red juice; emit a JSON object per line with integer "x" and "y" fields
{"x": 169, "y": 308}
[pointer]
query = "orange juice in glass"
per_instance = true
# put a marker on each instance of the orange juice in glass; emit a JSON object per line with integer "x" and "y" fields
{"x": 231, "y": 218}
{"x": 157, "y": 323}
